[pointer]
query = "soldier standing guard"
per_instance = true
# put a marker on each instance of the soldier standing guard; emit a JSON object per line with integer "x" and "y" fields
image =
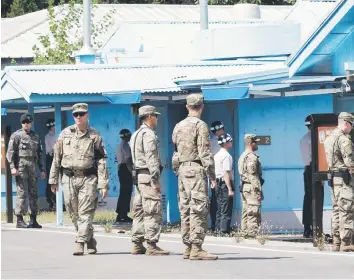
{"x": 23, "y": 154}
{"x": 80, "y": 158}
{"x": 147, "y": 205}
{"x": 250, "y": 170}
{"x": 49, "y": 141}
{"x": 339, "y": 154}
{"x": 193, "y": 162}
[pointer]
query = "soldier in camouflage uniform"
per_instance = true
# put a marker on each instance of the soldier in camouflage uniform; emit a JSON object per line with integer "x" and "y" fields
{"x": 339, "y": 154}
{"x": 23, "y": 154}
{"x": 250, "y": 170}
{"x": 147, "y": 204}
{"x": 80, "y": 158}
{"x": 193, "y": 163}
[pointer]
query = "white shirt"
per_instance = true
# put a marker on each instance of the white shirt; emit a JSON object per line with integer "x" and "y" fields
{"x": 50, "y": 140}
{"x": 215, "y": 147}
{"x": 305, "y": 148}
{"x": 223, "y": 163}
{"x": 123, "y": 152}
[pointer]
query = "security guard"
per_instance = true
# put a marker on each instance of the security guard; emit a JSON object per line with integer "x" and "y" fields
{"x": 49, "y": 141}
{"x": 340, "y": 159}
{"x": 147, "y": 168}
{"x": 81, "y": 159}
{"x": 23, "y": 154}
{"x": 225, "y": 184}
{"x": 124, "y": 159}
{"x": 250, "y": 170}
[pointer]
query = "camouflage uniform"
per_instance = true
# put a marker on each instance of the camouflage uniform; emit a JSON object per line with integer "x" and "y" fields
{"x": 193, "y": 162}
{"x": 81, "y": 160}
{"x": 24, "y": 152}
{"x": 339, "y": 154}
{"x": 147, "y": 205}
{"x": 250, "y": 170}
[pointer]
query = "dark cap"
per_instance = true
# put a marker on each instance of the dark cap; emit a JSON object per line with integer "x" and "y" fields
{"x": 217, "y": 125}
{"x": 224, "y": 138}
{"x": 26, "y": 118}
{"x": 50, "y": 123}
{"x": 125, "y": 133}
{"x": 308, "y": 121}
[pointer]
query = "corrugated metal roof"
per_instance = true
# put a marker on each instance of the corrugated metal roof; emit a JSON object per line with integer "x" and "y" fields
{"x": 20, "y": 34}
{"x": 59, "y": 80}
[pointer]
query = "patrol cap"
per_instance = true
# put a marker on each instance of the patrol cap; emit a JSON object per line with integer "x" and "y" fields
{"x": 217, "y": 125}
{"x": 224, "y": 138}
{"x": 346, "y": 117}
{"x": 195, "y": 99}
{"x": 251, "y": 138}
{"x": 26, "y": 118}
{"x": 50, "y": 123}
{"x": 125, "y": 133}
{"x": 147, "y": 110}
{"x": 80, "y": 107}
{"x": 308, "y": 120}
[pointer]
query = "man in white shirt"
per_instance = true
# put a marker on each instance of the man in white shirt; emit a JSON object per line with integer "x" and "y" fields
{"x": 305, "y": 149}
{"x": 124, "y": 159}
{"x": 50, "y": 140}
{"x": 217, "y": 129}
{"x": 225, "y": 184}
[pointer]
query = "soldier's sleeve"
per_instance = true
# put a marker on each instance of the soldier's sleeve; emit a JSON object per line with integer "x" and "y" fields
{"x": 12, "y": 151}
{"x": 152, "y": 157}
{"x": 57, "y": 156}
{"x": 40, "y": 156}
{"x": 203, "y": 145}
{"x": 175, "y": 158}
{"x": 101, "y": 163}
{"x": 346, "y": 148}
{"x": 252, "y": 171}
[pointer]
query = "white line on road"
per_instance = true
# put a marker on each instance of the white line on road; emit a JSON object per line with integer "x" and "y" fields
{"x": 205, "y": 243}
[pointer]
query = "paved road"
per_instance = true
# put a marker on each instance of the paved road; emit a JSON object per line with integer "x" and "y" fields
{"x": 47, "y": 253}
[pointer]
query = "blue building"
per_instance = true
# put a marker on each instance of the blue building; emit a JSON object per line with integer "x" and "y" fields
{"x": 257, "y": 95}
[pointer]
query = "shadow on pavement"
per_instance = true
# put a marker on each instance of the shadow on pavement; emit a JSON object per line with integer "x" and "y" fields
{"x": 252, "y": 258}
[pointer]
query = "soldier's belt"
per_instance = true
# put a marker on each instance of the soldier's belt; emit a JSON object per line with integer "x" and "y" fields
{"x": 143, "y": 171}
{"x": 79, "y": 172}
{"x": 28, "y": 157}
{"x": 191, "y": 163}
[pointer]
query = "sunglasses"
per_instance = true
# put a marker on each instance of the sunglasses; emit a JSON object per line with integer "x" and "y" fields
{"x": 81, "y": 114}
{"x": 26, "y": 122}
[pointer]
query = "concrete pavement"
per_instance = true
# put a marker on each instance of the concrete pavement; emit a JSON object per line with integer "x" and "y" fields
{"x": 47, "y": 253}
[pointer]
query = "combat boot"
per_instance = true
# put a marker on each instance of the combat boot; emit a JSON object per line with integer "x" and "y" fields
{"x": 346, "y": 247}
{"x": 33, "y": 222}
{"x": 336, "y": 244}
{"x": 20, "y": 222}
{"x": 92, "y": 246}
{"x": 187, "y": 252}
{"x": 153, "y": 249}
{"x": 197, "y": 253}
{"x": 79, "y": 251}
{"x": 138, "y": 249}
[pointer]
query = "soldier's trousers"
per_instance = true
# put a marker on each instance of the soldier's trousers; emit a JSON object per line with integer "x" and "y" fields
{"x": 251, "y": 211}
{"x": 27, "y": 187}
{"x": 343, "y": 210}
{"x": 147, "y": 212}
{"x": 193, "y": 203}
{"x": 81, "y": 197}
{"x": 224, "y": 212}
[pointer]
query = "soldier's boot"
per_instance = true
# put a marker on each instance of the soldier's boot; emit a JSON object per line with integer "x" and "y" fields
{"x": 20, "y": 222}
{"x": 197, "y": 253}
{"x": 336, "y": 244}
{"x": 138, "y": 249}
{"x": 153, "y": 249}
{"x": 187, "y": 252}
{"x": 33, "y": 222}
{"x": 92, "y": 246}
{"x": 346, "y": 246}
{"x": 79, "y": 251}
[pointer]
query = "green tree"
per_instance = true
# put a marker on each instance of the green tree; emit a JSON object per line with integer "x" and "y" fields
{"x": 65, "y": 38}
{"x": 21, "y": 7}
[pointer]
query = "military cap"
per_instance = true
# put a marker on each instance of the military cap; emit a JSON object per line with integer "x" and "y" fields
{"x": 125, "y": 133}
{"x": 26, "y": 118}
{"x": 217, "y": 125}
{"x": 147, "y": 110}
{"x": 50, "y": 123}
{"x": 195, "y": 99}
{"x": 80, "y": 107}
{"x": 250, "y": 138}
{"x": 308, "y": 120}
{"x": 222, "y": 139}
{"x": 347, "y": 117}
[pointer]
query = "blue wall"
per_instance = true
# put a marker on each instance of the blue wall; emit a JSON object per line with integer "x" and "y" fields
{"x": 283, "y": 120}
{"x": 344, "y": 53}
